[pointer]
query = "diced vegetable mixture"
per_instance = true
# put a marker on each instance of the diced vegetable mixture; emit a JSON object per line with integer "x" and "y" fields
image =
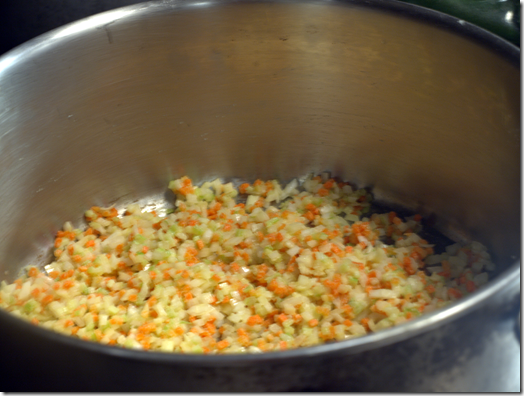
{"x": 291, "y": 267}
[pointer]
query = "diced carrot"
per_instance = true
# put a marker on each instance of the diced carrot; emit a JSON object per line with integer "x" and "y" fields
{"x": 313, "y": 323}
{"x": 67, "y": 284}
{"x": 446, "y": 269}
{"x": 148, "y": 327}
{"x": 430, "y": 289}
{"x": 152, "y": 301}
{"x": 335, "y": 249}
{"x": 323, "y": 192}
{"x": 210, "y": 327}
{"x": 243, "y": 187}
{"x": 222, "y": 344}
{"x": 235, "y": 267}
{"x": 54, "y": 274}
{"x": 241, "y": 332}
{"x": 454, "y": 292}
{"x": 329, "y": 184}
{"x": 281, "y": 318}
{"x": 297, "y": 318}
{"x": 116, "y": 321}
{"x": 391, "y": 216}
{"x": 311, "y": 207}
{"x": 119, "y": 248}
{"x": 407, "y": 266}
{"x": 309, "y": 215}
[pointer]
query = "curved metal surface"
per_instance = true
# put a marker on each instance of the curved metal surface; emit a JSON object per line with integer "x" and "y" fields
{"x": 22, "y": 22}
{"x": 110, "y": 108}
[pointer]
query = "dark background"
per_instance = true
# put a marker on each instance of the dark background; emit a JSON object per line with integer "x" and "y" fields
{"x": 21, "y": 20}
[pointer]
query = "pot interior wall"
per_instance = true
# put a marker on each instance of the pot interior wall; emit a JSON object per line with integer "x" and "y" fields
{"x": 109, "y": 109}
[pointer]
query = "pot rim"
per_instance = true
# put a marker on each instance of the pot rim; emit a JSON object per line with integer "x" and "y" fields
{"x": 31, "y": 47}
{"x": 508, "y": 279}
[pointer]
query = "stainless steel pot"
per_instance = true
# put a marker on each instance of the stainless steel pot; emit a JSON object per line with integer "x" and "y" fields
{"x": 421, "y": 107}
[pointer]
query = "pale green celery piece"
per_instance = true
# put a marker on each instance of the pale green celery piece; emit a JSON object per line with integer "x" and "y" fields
{"x": 250, "y": 301}
{"x": 320, "y": 236}
{"x": 271, "y": 222}
{"x": 198, "y": 230}
{"x": 286, "y": 337}
{"x": 318, "y": 201}
{"x": 139, "y": 238}
{"x": 30, "y": 306}
{"x": 414, "y": 311}
{"x": 358, "y": 306}
{"x": 343, "y": 267}
{"x": 289, "y": 330}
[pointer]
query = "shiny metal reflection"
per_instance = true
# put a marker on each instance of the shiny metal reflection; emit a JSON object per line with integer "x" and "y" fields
{"x": 107, "y": 110}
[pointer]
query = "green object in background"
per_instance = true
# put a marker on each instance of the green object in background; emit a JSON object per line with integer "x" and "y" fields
{"x": 501, "y": 17}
